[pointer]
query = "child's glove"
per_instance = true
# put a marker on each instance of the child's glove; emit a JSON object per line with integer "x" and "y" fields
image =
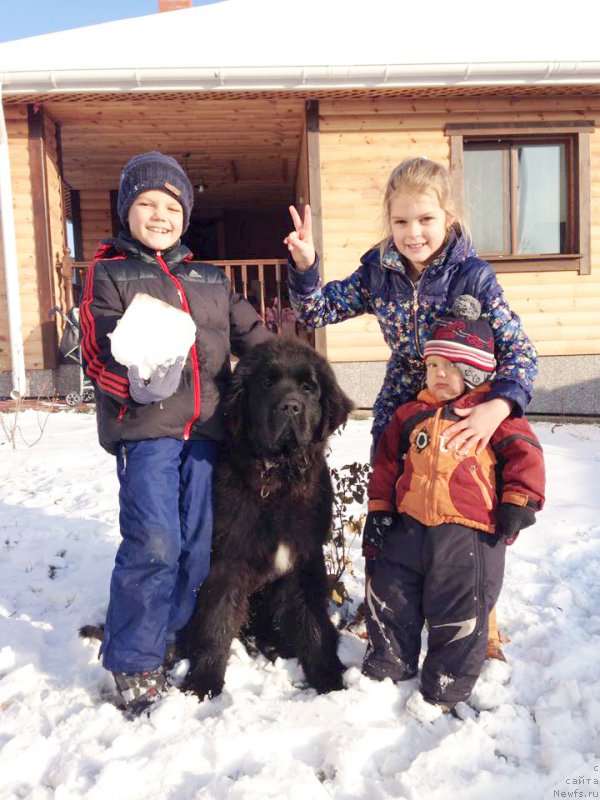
{"x": 377, "y": 526}
{"x": 161, "y": 384}
{"x": 512, "y": 519}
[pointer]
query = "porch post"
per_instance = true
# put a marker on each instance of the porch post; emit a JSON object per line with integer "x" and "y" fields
{"x": 11, "y": 266}
{"x": 314, "y": 192}
{"x": 41, "y": 231}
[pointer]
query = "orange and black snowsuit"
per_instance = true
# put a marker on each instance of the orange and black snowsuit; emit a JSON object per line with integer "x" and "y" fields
{"x": 442, "y": 560}
{"x": 414, "y": 473}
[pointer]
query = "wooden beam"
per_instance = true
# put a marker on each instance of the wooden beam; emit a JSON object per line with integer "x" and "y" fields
{"x": 457, "y": 171}
{"x": 314, "y": 192}
{"x": 513, "y": 171}
{"x": 512, "y": 128}
{"x": 584, "y": 210}
{"x": 77, "y": 229}
{"x": 42, "y": 237}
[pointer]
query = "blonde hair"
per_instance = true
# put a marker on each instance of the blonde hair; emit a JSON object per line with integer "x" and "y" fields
{"x": 419, "y": 175}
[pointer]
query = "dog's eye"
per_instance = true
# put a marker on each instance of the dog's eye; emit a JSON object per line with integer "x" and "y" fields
{"x": 307, "y": 387}
{"x": 267, "y": 381}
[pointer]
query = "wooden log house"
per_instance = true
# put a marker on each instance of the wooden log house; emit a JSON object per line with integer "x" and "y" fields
{"x": 261, "y": 129}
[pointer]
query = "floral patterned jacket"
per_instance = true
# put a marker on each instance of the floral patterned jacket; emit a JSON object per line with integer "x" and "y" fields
{"x": 406, "y": 312}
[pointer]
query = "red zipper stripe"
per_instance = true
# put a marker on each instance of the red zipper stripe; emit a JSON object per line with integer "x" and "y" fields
{"x": 193, "y": 351}
{"x": 109, "y": 381}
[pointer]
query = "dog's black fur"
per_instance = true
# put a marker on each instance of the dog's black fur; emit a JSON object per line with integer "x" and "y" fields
{"x": 273, "y": 509}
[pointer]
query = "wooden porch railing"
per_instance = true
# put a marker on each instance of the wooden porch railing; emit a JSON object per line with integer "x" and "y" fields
{"x": 263, "y": 282}
{"x": 240, "y": 273}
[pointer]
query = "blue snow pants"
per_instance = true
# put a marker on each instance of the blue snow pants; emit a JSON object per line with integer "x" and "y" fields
{"x": 166, "y": 521}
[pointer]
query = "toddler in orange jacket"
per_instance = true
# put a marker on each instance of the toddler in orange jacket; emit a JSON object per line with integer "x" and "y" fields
{"x": 439, "y": 518}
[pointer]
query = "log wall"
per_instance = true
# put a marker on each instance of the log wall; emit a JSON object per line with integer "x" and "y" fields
{"x": 96, "y": 220}
{"x": 360, "y": 143}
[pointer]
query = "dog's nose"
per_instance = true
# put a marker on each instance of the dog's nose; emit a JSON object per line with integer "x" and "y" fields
{"x": 291, "y": 406}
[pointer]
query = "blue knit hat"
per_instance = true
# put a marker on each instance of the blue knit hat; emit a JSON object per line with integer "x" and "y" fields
{"x": 149, "y": 171}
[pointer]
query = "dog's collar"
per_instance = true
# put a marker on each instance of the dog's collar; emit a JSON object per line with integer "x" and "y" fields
{"x": 268, "y": 468}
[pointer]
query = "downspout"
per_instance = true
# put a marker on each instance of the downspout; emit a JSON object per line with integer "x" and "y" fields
{"x": 11, "y": 267}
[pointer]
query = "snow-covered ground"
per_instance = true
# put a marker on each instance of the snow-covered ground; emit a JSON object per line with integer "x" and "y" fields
{"x": 533, "y": 728}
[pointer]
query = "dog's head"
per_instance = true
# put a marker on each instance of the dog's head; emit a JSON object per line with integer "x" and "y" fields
{"x": 283, "y": 398}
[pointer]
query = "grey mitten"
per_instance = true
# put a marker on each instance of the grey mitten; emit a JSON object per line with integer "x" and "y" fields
{"x": 161, "y": 384}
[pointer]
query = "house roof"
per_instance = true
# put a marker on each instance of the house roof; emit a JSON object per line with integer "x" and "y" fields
{"x": 314, "y": 44}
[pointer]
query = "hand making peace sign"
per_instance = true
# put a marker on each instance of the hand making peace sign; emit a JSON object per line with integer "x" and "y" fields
{"x": 300, "y": 241}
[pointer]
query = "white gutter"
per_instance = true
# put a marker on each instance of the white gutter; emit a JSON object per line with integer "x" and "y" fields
{"x": 11, "y": 267}
{"x": 301, "y": 77}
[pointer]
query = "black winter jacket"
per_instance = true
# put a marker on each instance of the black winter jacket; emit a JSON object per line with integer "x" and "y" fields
{"x": 225, "y": 323}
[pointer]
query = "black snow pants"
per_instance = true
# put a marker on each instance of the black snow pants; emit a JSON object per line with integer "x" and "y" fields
{"x": 449, "y": 575}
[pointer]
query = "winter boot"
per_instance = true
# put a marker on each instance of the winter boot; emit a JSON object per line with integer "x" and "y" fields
{"x": 138, "y": 691}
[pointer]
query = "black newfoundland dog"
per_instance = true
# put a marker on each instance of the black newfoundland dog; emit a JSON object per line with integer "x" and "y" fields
{"x": 273, "y": 509}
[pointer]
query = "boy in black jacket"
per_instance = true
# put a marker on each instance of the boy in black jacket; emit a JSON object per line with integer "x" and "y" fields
{"x": 164, "y": 430}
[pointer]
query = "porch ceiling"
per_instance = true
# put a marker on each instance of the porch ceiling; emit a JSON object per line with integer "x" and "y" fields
{"x": 245, "y": 152}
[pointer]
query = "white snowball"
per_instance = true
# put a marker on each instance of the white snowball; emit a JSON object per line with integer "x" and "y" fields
{"x": 151, "y": 333}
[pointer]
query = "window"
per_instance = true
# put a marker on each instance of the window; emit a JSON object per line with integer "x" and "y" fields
{"x": 525, "y": 194}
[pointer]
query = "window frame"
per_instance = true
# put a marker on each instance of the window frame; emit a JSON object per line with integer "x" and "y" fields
{"x": 576, "y": 135}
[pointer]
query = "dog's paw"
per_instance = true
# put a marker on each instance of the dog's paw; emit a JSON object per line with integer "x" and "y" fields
{"x": 92, "y": 632}
{"x": 329, "y": 681}
{"x": 204, "y": 687}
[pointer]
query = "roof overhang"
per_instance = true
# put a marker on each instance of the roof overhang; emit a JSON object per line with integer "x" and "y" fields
{"x": 301, "y": 78}
{"x": 273, "y": 45}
